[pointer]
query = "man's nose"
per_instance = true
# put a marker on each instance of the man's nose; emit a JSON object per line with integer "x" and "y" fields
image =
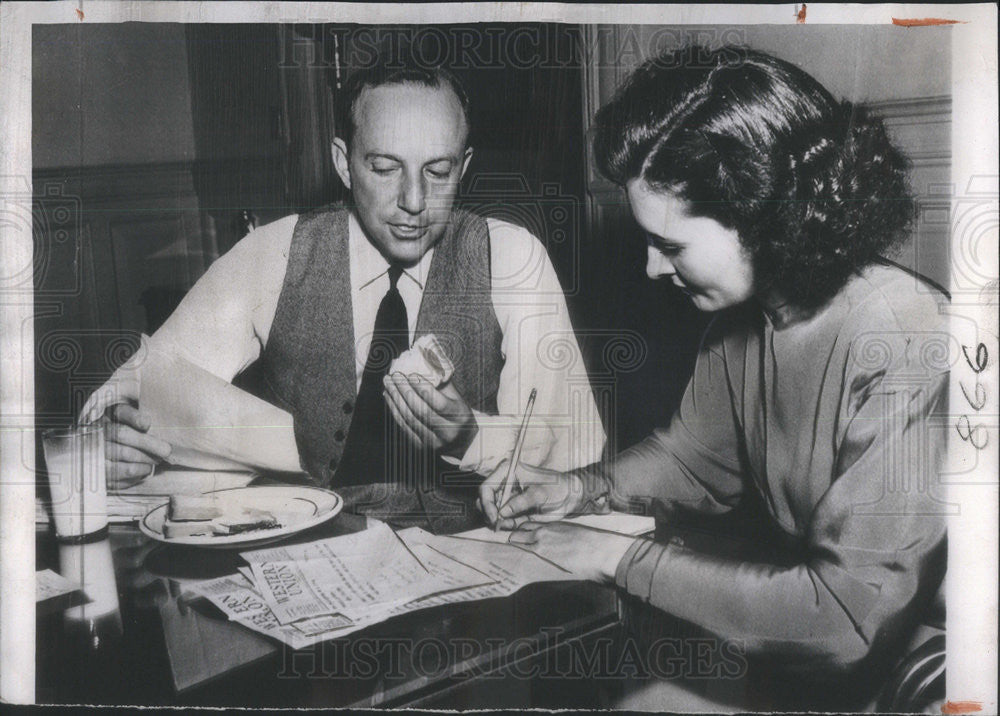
{"x": 657, "y": 264}
{"x": 412, "y": 196}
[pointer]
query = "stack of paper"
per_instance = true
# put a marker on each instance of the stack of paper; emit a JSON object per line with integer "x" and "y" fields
{"x": 210, "y": 423}
{"x": 304, "y": 594}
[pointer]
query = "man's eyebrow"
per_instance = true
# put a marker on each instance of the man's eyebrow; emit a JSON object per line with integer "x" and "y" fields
{"x": 380, "y": 155}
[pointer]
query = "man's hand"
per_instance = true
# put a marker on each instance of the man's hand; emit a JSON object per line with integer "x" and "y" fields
{"x": 438, "y": 418}
{"x": 131, "y": 454}
{"x": 590, "y": 554}
{"x": 546, "y": 496}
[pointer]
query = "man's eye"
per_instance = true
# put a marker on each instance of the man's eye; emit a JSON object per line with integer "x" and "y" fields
{"x": 383, "y": 169}
{"x": 439, "y": 172}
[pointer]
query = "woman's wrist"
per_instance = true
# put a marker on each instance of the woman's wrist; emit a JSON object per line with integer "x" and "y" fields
{"x": 618, "y": 546}
{"x": 592, "y": 487}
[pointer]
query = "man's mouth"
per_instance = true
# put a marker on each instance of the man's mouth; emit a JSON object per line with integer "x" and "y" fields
{"x": 408, "y": 231}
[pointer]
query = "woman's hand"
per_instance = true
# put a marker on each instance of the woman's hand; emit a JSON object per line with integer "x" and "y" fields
{"x": 591, "y": 554}
{"x": 546, "y": 496}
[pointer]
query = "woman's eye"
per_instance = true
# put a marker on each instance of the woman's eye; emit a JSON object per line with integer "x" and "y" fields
{"x": 661, "y": 246}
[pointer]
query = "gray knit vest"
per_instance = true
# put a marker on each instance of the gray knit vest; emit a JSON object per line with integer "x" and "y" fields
{"x": 308, "y": 362}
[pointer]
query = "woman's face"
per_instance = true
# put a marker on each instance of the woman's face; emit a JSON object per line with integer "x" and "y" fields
{"x": 700, "y": 256}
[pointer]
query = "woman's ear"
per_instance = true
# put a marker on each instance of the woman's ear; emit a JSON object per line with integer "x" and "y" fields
{"x": 340, "y": 161}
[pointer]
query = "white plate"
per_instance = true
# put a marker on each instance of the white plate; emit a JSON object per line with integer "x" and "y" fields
{"x": 309, "y": 506}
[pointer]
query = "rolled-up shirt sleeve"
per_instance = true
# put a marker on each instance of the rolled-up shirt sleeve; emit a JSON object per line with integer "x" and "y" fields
{"x": 223, "y": 322}
{"x": 874, "y": 545}
{"x": 540, "y": 351}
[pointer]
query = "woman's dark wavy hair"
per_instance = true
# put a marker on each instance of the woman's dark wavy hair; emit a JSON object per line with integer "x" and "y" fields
{"x": 814, "y": 188}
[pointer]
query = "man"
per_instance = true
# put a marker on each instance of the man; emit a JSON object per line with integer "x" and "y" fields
{"x": 326, "y": 299}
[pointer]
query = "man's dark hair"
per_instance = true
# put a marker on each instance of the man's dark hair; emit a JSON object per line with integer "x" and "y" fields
{"x": 813, "y": 187}
{"x": 379, "y": 75}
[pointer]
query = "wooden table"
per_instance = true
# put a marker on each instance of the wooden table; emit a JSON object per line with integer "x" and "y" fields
{"x": 538, "y": 647}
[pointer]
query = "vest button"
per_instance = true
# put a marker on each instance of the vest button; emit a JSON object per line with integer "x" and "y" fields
{"x": 339, "y": 436}
{"x": 348, "y": 407}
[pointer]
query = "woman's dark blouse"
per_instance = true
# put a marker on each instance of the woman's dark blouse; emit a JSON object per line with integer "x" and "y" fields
{"x": 830, "y": 419}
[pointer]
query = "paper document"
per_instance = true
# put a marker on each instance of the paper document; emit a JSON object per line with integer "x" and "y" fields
{"x": 618, "y": 522}
{"x": 510, "y": 566}
{"x": 210, "y": 423}
{"x": 240, "y": 600}
{"x": 352, "y": 576}
{"x": 49, "y": 584}
{"x": 306, "y": 593}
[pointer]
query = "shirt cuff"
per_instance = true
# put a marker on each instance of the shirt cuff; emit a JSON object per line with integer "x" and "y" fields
{"x": 472, "y": 459}
{"x": 494, "y": 443}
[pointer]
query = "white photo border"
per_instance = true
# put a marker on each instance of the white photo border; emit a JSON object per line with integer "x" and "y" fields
{"x": 973, "y": 565}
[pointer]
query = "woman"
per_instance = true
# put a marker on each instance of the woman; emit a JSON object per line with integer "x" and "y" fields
{"x": 770, "y": 205}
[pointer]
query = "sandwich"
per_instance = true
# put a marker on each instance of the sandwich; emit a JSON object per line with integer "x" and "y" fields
{"x": 426, "y": 358}
{"x": 202, "y": 515}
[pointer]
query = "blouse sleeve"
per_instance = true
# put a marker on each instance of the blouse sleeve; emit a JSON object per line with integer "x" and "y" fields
{"x": 874, "y": 548}
{"x": 694, "y": 463}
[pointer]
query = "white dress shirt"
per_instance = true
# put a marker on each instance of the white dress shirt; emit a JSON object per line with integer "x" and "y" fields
{"x": 223, "y": 324}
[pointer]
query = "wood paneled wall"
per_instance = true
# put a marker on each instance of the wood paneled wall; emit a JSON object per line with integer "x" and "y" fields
{"x": 104, "y": 236}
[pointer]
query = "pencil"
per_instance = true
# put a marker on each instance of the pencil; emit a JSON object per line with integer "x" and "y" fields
{"x": 507, "y": 485}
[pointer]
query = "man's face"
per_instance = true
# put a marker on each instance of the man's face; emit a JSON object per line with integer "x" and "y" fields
{"x": 404, "y": 166}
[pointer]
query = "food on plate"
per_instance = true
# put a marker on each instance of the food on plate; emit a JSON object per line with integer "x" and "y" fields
{"x": 247, "y": 521}
{"x": 173, "y": 530}
{"x": 204, "y": 515}
{"x": 426, "y": 358}
{"x": 185, "y": 508}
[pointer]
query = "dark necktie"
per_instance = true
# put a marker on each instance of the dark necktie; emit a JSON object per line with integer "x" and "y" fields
{"x": 373, "y": 433}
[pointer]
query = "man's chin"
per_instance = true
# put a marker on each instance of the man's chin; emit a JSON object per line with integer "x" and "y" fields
{"x": 406, "y": 252}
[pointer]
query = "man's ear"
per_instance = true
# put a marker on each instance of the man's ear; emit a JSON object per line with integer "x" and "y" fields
{"x": 340, "y": 162}
{"x": 465, "y": 162}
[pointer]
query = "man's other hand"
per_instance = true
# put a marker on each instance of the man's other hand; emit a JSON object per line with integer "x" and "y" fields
{"x": 131, "y": 453}
{"x": 438, "y": 418}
